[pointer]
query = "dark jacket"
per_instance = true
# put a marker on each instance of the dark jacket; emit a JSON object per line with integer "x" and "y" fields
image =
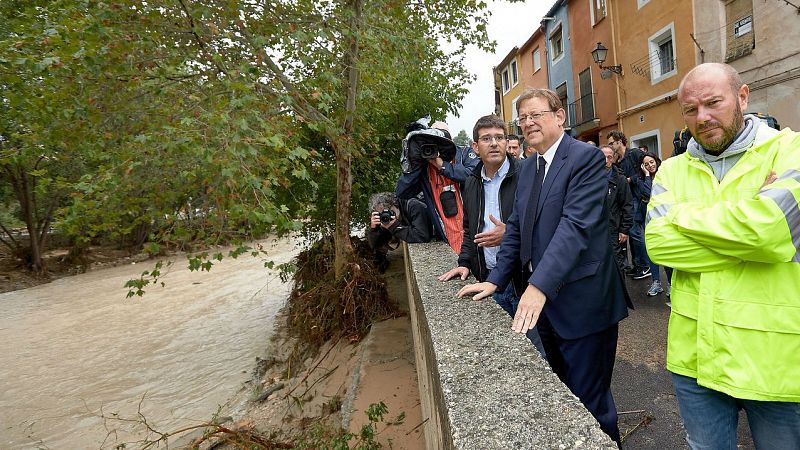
{"x": 414, "y": 226}
{"x": 620, "y": 203}
{"x": 641, "y": 187}
{"x": 631, "y": 162}
{"x": 410, "y": 184}
{"x": 471, "y": 256}
{"x": 565, "y": 240}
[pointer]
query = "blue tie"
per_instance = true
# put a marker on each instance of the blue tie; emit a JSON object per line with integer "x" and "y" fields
{"x": 533, "y": 202}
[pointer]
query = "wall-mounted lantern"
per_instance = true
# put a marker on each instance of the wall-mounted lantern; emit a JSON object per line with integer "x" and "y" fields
{"x": 599, "y": 56}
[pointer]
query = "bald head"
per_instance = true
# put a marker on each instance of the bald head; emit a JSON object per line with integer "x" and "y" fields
{"x": 720, "y": 73}
{"x": 712, "y": 98}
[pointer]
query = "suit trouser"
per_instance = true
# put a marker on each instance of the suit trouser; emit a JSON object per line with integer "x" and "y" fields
{"x": 585, "y": 366}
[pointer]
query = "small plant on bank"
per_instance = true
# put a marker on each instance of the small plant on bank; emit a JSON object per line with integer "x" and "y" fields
{"x": 323, "y": 438}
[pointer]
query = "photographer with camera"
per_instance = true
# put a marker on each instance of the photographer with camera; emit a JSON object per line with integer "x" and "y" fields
{"x": 434, "y": 166}
{"x": 406, "y": 220}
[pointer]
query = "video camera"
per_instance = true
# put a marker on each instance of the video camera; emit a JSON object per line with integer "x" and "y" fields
{"x": 423, "y": 143}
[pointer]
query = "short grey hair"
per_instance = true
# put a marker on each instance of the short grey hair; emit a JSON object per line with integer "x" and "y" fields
{"x": 383, "y": 200}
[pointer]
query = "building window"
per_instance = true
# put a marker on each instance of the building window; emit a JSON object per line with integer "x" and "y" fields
{"x": 662, "y": 54}
{"x": 537, "y": 60}
{"x": 585, "y": 107}
{"x": 506, "y": 85}
{"x": 557, "y": 44}
{"x": 666, "y": 58}
{"x": 740, "y": 34}
{"x": 561, "y": 91}
{"x": 598, "y": 10}
{"x": 514, "y": 75}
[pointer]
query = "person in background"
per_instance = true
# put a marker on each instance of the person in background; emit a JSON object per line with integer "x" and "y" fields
{"x": 620, "y": 208}
{"x": 629, "y": 160}
{"x": 642, "y": 186}
{"x": 439, "y": 182}
{"x": 512, "y": 146}
{"x": 392, "y": 218}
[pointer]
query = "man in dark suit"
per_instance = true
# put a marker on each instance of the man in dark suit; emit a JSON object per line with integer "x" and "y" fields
{"x": 558, "y": 234}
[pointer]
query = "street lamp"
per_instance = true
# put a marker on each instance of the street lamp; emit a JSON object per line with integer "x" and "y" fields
{"x": 599, "y": 56}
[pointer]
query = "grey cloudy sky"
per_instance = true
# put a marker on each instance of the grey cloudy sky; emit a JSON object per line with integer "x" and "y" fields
{"x": 510, "y": 24}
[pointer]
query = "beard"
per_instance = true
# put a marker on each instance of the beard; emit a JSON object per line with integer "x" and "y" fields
{"x": 729, "y": 132}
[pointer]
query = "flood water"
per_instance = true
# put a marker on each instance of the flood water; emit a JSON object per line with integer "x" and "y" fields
{"x": 76, "y": 350}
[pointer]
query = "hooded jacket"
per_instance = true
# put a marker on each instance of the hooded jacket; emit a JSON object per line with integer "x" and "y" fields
{"x": 735, "y": 246}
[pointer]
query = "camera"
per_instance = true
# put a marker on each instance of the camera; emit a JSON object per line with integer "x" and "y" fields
{"x": 386, "y": 216}
{"x": 429, "y": 151}
{"x": 423, "y": 145}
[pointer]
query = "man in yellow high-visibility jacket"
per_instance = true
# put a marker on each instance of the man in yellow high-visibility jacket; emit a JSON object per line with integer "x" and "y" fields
{"x": 725, "y": 215}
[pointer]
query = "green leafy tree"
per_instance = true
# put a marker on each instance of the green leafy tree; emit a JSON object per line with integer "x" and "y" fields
{"x": 41, "y": 118}
{"x": 211, "y": 121}
{"x": 462, "y": 138}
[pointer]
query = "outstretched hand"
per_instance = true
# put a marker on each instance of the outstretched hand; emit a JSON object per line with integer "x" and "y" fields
{"x": 481, "y": 290}
{"x": 493, "y": 237}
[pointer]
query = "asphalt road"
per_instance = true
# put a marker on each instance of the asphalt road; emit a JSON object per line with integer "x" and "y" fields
{"x": 642, "y": 386}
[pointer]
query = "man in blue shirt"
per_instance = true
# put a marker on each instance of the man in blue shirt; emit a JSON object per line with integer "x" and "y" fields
{"x": 488, "y": 198}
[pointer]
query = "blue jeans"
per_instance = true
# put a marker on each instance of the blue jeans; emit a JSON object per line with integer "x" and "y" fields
{"x": 640, "y": 259}
{"x": 710, "y": 418}
{"x": 509, "y": 301}
{"x": 655, "y": 270}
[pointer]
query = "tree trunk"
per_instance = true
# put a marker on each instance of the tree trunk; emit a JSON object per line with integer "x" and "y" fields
{"x": 25, "y": 196}
{"x": 343, "y": 147}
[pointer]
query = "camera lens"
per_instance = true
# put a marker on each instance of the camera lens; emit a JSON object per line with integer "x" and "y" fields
{"x": 386, "y": 216}
{"x": 429, "y": 151}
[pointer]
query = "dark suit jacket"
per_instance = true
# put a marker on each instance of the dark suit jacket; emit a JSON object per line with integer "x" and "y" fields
{"x": 567, "y": 243}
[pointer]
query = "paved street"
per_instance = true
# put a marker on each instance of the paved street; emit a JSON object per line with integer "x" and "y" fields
{"x": 641, "y": 382}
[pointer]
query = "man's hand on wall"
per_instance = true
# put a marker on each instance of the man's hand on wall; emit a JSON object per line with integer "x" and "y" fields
{"x": 529, "y": 309}
{"x": 481, "y": 290}
{"x": 461, "y": 272}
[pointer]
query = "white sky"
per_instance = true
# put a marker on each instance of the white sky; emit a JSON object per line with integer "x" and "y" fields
{"x": 510, "y": 24}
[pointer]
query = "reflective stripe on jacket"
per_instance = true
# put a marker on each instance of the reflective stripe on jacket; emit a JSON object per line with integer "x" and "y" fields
{"x": 735, "y": 247}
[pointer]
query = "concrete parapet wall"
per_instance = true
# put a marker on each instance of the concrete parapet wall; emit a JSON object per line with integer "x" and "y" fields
{"x": 481, "y": 385}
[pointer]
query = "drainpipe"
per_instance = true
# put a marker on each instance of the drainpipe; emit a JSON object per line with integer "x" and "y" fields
{"x": 614, "y": 22}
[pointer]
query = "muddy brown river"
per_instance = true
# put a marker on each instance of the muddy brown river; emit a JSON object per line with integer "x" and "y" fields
{"x": 76, "y": 351}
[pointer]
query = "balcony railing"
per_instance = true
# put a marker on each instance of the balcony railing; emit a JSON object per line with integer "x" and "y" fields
{"x": 581, "y": 111}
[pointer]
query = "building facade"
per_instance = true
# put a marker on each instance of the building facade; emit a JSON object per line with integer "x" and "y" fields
{"x": 655, "y": 43}
{"x": 559, "y": 58}
{"x": 652, "y": 42}
{"x": 532, "y": 70}
{"x": 595, "y": 106}
{"x": 759, "y": 39}
{"x": 508, "y": 83}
